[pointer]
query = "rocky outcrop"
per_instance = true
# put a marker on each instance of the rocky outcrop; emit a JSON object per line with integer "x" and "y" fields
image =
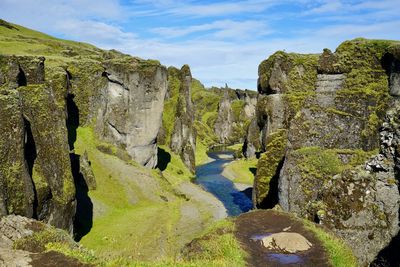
{"x": 40, "y": 118}
{"x": 183, "y": 138}
{"x": 235, "y": 111}
{"x": 330, "y": 165}
{"x": 130, "y": 108}
{"x": 23, "y": 243}
{"x": 36, "y": 179}
{"x": 223, "y": 125}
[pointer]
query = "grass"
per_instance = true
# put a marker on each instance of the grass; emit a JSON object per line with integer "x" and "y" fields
{"x": 339, "y": 254}
{"x": 216, "y": 246}
{"x": 201, "y": 153}
{"x": 241, "y": 171}
{"x": 136, "y": 210}
{"x": 19, "y": 40}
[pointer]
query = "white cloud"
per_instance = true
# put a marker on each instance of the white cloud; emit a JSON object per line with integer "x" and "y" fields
{"x": 221, "y": 29}
{"x": 221, "y": 8}
{"x": 223, "y": 50}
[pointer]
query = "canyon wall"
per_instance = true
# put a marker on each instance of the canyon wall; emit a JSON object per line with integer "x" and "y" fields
{"x": 327, "y": 129}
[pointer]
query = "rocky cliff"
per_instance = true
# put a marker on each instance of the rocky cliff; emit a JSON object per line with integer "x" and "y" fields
{"x": 42, "y": 103}
{"x": 36, "y": 178}
{"x": 235, "y": 111}
{"x": 327, "y": 126}
{"x": 183, "y": 139}
{"x": 130, "y": 107}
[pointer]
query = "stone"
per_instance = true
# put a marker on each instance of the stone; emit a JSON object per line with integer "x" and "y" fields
{"x": 23, "y": 243}
{"x": 329, "y": 63}
{"x": 252, "y": 143}
{"x": 35, "y": 171}
{"x": 286, "y": 242}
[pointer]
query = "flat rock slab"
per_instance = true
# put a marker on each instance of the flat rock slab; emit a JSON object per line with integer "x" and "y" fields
{"x": 269, "y": 236}
{"x": 286, "y": 242}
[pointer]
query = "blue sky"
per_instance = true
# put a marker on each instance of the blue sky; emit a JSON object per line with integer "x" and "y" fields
{"x": 222, "y": 41}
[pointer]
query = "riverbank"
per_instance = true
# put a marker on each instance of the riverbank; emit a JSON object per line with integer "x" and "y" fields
{"x": 241, "y": 171}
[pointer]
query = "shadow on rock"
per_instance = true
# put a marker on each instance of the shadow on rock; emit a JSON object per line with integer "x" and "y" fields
{"x": 164, "y": 158}
{"x": 83, "y": 221}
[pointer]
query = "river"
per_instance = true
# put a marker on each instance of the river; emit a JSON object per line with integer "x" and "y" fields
{"x": 210, "y": 177}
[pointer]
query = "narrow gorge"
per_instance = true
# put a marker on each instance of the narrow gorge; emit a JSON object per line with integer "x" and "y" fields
{"x": 107, "y": 159}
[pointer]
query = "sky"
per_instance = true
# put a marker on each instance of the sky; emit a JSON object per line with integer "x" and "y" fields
{"x": 222, "y": 41}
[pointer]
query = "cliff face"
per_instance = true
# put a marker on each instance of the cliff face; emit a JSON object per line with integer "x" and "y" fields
{"x": 36, "y": 179}
{"x": 235, "y": 111}
{"x": 130, "y": 108}
{"x": 327, "y": 127}
{"x": 42, "y": 103}
{"x": 183, "y": 138}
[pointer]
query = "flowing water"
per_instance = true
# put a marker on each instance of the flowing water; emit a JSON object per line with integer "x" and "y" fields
{"x": 210, "y": 177}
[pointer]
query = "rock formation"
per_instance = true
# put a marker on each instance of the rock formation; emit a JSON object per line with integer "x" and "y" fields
{"x": 183, "y": 138}
{"x": 131, "y": 106}
{"x": 36, "y": 179}
{"x": 121, "y": 95}
{"x": 235, "y": 111}
{"x": 330, "y": 137}
{"x": 23, "y": 243}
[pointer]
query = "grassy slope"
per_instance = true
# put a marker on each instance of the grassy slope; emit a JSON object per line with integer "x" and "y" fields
{"x": 137, "y": 213}
{"x": 19, "y": 40}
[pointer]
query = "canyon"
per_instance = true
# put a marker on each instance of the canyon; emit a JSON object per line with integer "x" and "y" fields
{"x": 106, "y": 146}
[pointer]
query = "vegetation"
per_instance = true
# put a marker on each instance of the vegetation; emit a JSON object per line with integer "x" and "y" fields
{"x": 339, "y": 254}
{"x": 241, "y": 171}
{"x": 127, "y": 195}
{"x": 216, "y": 246}
{"x": 269, "y": 162}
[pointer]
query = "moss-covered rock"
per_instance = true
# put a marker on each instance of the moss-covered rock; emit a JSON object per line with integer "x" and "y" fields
{"x": 268, "y": 168}
{"x": 52, "y": 164}
{"x": 27, "y": 242}
{"x": 183, "y": 138}
{"x": 16, "y": 189}
{"x": 333, "y": 110}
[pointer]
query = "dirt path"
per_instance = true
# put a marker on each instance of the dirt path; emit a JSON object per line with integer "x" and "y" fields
{"x": 251, "y": 227}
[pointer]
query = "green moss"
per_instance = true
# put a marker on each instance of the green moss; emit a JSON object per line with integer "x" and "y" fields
{"x": 38, "y": 240}
{"x": 317, "y": 166}
{"x": 49, "y": 133}
{"x": 217, "y": 247}
{"x": 237, "y": 109}
{"x": 268, "y": 163}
